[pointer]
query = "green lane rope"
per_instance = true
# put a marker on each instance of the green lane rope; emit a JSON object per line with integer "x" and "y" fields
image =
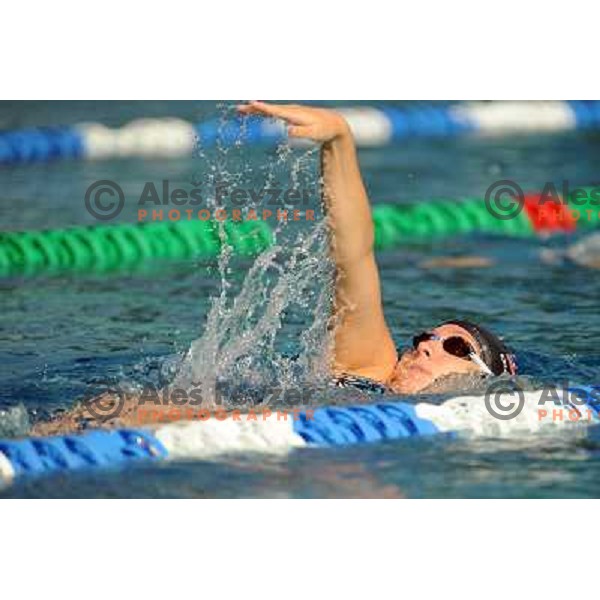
{"x": 104, "y": 248}
{"x": 395, "y": 224}
{"x": 118, "y": 246}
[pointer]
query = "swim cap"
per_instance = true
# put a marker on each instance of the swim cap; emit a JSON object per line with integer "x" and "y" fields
{"x": 494, "y": 352}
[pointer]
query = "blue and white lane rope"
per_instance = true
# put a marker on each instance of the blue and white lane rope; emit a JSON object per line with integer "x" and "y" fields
{"x": 319, "y": 428}
{"x": 172, "y": 137}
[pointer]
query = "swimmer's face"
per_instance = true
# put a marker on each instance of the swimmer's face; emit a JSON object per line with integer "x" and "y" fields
{"x": 419, "y": 367}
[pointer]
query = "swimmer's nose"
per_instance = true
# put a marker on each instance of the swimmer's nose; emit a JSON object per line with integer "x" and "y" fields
{"x": 426, "y": 349}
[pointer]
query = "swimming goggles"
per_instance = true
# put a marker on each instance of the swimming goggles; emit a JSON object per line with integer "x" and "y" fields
{"x": 454, "y": 345}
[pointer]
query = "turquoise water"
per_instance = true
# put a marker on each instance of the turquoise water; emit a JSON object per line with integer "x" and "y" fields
{"x": 63, "y": 336}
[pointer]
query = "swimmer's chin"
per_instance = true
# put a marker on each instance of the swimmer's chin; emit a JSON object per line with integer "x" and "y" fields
{"x": 412, "y": 378}
{"x": 410, "y": 381}
{"x": 409, "y": 378}
{"x": 449, "y": 383}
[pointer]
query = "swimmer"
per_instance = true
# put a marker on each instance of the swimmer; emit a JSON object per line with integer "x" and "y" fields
{"x": 364, "y": 355}
{"x": 363, "y": 345}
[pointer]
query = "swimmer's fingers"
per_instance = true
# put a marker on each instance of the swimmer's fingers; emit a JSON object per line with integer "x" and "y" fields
{"x": 318, "y": 124}
{"x": 303, "y": 126}
{"x": 291, "y": 113}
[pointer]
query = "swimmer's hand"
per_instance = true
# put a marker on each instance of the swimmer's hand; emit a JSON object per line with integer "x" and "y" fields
{"x": 318, "y": 124}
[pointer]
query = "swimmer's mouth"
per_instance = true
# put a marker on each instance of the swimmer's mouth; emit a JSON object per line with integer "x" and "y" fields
{"x": 413, "y": 365}
{"x": 417, "y": 367}
{"x": 409, "y": 366}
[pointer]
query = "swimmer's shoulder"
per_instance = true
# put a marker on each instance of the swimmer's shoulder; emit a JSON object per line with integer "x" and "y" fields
{"x": 371, "y": 382}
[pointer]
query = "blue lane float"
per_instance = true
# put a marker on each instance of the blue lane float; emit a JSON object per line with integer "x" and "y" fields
{"x": 37, "y": 456}
{"x": 372, "y": 126}
{"x": 324, "y": 427}
{"x": 41, "y": 145}
{"x": 341, "y": 426}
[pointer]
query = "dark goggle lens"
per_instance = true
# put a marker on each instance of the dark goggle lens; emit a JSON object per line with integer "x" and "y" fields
{"x": 457, "y": 347}
{"x": 454, "y": 345}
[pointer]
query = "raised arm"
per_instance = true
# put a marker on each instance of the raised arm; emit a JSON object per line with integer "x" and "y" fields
{"x": 363, "y": 344}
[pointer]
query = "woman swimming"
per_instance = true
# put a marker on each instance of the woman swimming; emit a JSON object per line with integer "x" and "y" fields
{"x": 363, "y": 345}
{"x": 364, "y": 353}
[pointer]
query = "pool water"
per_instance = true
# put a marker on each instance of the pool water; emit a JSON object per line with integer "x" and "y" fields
{"x": 64, "y": 335}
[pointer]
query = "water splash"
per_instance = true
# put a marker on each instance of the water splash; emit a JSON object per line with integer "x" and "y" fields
{"x": 14, "y": 421}
{"x": 289, "y": 285}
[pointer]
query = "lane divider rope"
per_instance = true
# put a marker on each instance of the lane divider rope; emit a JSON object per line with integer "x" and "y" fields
{"x": 171, "y": 137}
{"x": 322, "y": 427}
{"x": 105, "y": 248}
{"x": 110, "y": 247}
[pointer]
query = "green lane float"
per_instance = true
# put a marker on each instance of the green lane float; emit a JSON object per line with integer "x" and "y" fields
{"x": 106, "y": 248}
{"x": 112, "y": 247}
